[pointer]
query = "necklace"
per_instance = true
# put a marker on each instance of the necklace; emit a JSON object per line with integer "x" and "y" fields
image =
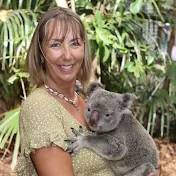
{"x": 53, "y": 92}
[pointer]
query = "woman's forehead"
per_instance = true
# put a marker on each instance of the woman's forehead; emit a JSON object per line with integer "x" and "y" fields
{"x": 60, "y": 29}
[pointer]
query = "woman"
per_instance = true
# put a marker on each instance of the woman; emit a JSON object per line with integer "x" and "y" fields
{"x": 58, "y": 56}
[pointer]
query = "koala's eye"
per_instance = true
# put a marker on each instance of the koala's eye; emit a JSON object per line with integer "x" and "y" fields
{"x": 88, "y": 109}
{"x": 107, "y": 115}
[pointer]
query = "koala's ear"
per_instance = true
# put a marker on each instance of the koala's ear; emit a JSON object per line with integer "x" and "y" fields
{"x": 127, "y": 99}
{"x": 94, "y": 86}
{"x": 78, "y": 86}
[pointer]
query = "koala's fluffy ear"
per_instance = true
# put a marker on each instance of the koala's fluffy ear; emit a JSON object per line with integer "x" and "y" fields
{"x": 94, "y": 86}
{"x": 128, "y": 98}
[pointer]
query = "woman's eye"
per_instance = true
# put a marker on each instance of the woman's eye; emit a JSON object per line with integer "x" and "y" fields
{"x": 56, "y": 44}
{"x": 75, "y": 43}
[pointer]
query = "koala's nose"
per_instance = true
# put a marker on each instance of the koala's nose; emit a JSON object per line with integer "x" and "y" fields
{"x": 94, "y": 117}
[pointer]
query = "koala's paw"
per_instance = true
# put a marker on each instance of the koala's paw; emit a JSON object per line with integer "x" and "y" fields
{"x": 75, "y": 143}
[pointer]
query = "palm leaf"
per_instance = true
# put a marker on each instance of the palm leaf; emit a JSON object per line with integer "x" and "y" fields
{"x": 9, "y": 127}
{"x": 17, "y": 26}
{"x": 16, "y": 150}
{"x": 16, "y": 33}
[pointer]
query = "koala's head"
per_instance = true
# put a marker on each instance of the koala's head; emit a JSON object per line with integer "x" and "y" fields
{"x": 105, "y": 109}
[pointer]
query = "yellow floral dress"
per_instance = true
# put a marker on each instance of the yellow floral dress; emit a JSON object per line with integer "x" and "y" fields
{"x": 45, "y": 122}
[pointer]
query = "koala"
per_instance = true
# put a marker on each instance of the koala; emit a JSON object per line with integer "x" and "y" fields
{"x": 118, "y": 137}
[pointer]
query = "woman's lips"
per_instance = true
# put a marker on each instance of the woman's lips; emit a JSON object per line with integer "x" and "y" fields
{"x": 66, "y": 67}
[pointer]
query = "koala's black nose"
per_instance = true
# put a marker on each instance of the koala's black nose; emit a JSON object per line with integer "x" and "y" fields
{"x": 94, "y": 117}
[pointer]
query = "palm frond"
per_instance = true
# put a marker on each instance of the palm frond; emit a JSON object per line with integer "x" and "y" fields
{"x": 9, "y": 127}
{"x": 16, "y": 33}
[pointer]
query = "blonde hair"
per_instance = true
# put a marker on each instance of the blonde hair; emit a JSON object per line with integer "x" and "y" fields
{"x": 67, "y": 19}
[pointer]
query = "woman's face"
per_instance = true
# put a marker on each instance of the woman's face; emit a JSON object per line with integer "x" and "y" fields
{"x": 63, "y": 55}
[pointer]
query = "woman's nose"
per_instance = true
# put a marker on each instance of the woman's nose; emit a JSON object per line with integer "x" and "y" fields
{"x": 67, "y": 52}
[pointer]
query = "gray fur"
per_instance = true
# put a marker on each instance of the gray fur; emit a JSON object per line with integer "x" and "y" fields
{"x": 118, "y": 137}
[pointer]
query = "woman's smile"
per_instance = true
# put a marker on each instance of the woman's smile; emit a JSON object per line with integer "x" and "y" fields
{"x": 66, "y": 68}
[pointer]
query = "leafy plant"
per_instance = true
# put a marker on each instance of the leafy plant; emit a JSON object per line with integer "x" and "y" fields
{"x": 9, "y": 127}
{"x": 127, "y": 61}
{"x": 18, "y": 20}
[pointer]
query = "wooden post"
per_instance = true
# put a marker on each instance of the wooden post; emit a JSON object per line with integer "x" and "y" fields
{"x": 62, "y": 3}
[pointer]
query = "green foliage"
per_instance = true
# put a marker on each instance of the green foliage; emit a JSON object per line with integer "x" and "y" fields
{"x": 17, "y": 23}
{"x": 17, "y": 75}
{"x": 9, "y": 126}
{"x": 127, "y": 62}
{"x": 18, "y": 20}
{"x": 136, "y": 6}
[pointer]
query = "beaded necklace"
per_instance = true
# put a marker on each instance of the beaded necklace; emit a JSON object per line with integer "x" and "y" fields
{"x": 53, "y": 92}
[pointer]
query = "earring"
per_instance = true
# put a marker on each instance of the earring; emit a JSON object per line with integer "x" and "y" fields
{"x": 42, "y": 60}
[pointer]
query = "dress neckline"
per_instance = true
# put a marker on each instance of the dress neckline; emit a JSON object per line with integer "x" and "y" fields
{"x": 58, "y": 103}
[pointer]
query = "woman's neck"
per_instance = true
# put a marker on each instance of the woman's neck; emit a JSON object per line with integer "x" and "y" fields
{"x": 65, "y": 88}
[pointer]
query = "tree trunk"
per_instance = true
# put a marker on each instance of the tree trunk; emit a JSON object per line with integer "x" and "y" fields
{"x": 172, "y": 39}
{"x": 62, "y": 3}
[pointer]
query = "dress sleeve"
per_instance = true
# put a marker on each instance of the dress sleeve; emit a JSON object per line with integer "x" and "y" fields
{"x": 41, "y": 125}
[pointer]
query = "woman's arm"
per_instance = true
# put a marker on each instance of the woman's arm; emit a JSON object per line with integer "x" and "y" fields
{"x": 52, "y": 161}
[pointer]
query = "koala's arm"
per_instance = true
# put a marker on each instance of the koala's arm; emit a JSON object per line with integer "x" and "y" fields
{"x": 104, "y": 145}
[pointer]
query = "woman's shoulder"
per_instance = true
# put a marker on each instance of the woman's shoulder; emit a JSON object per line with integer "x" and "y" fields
{"x": 40, "y": 105}
{"x": 40, "y": 102}
{"x": 38, "y": 97}
{"x": 37, "y": 93}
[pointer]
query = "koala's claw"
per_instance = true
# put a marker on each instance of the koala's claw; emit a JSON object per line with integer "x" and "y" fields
{"x": 70, "y": 140}
{"x": 77, "y": 132}
{"x": 80, "y": 129}
{"x": 69, "y": 150}
{"x": 72, "y": 148}
{"x": 75, "y": 143}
